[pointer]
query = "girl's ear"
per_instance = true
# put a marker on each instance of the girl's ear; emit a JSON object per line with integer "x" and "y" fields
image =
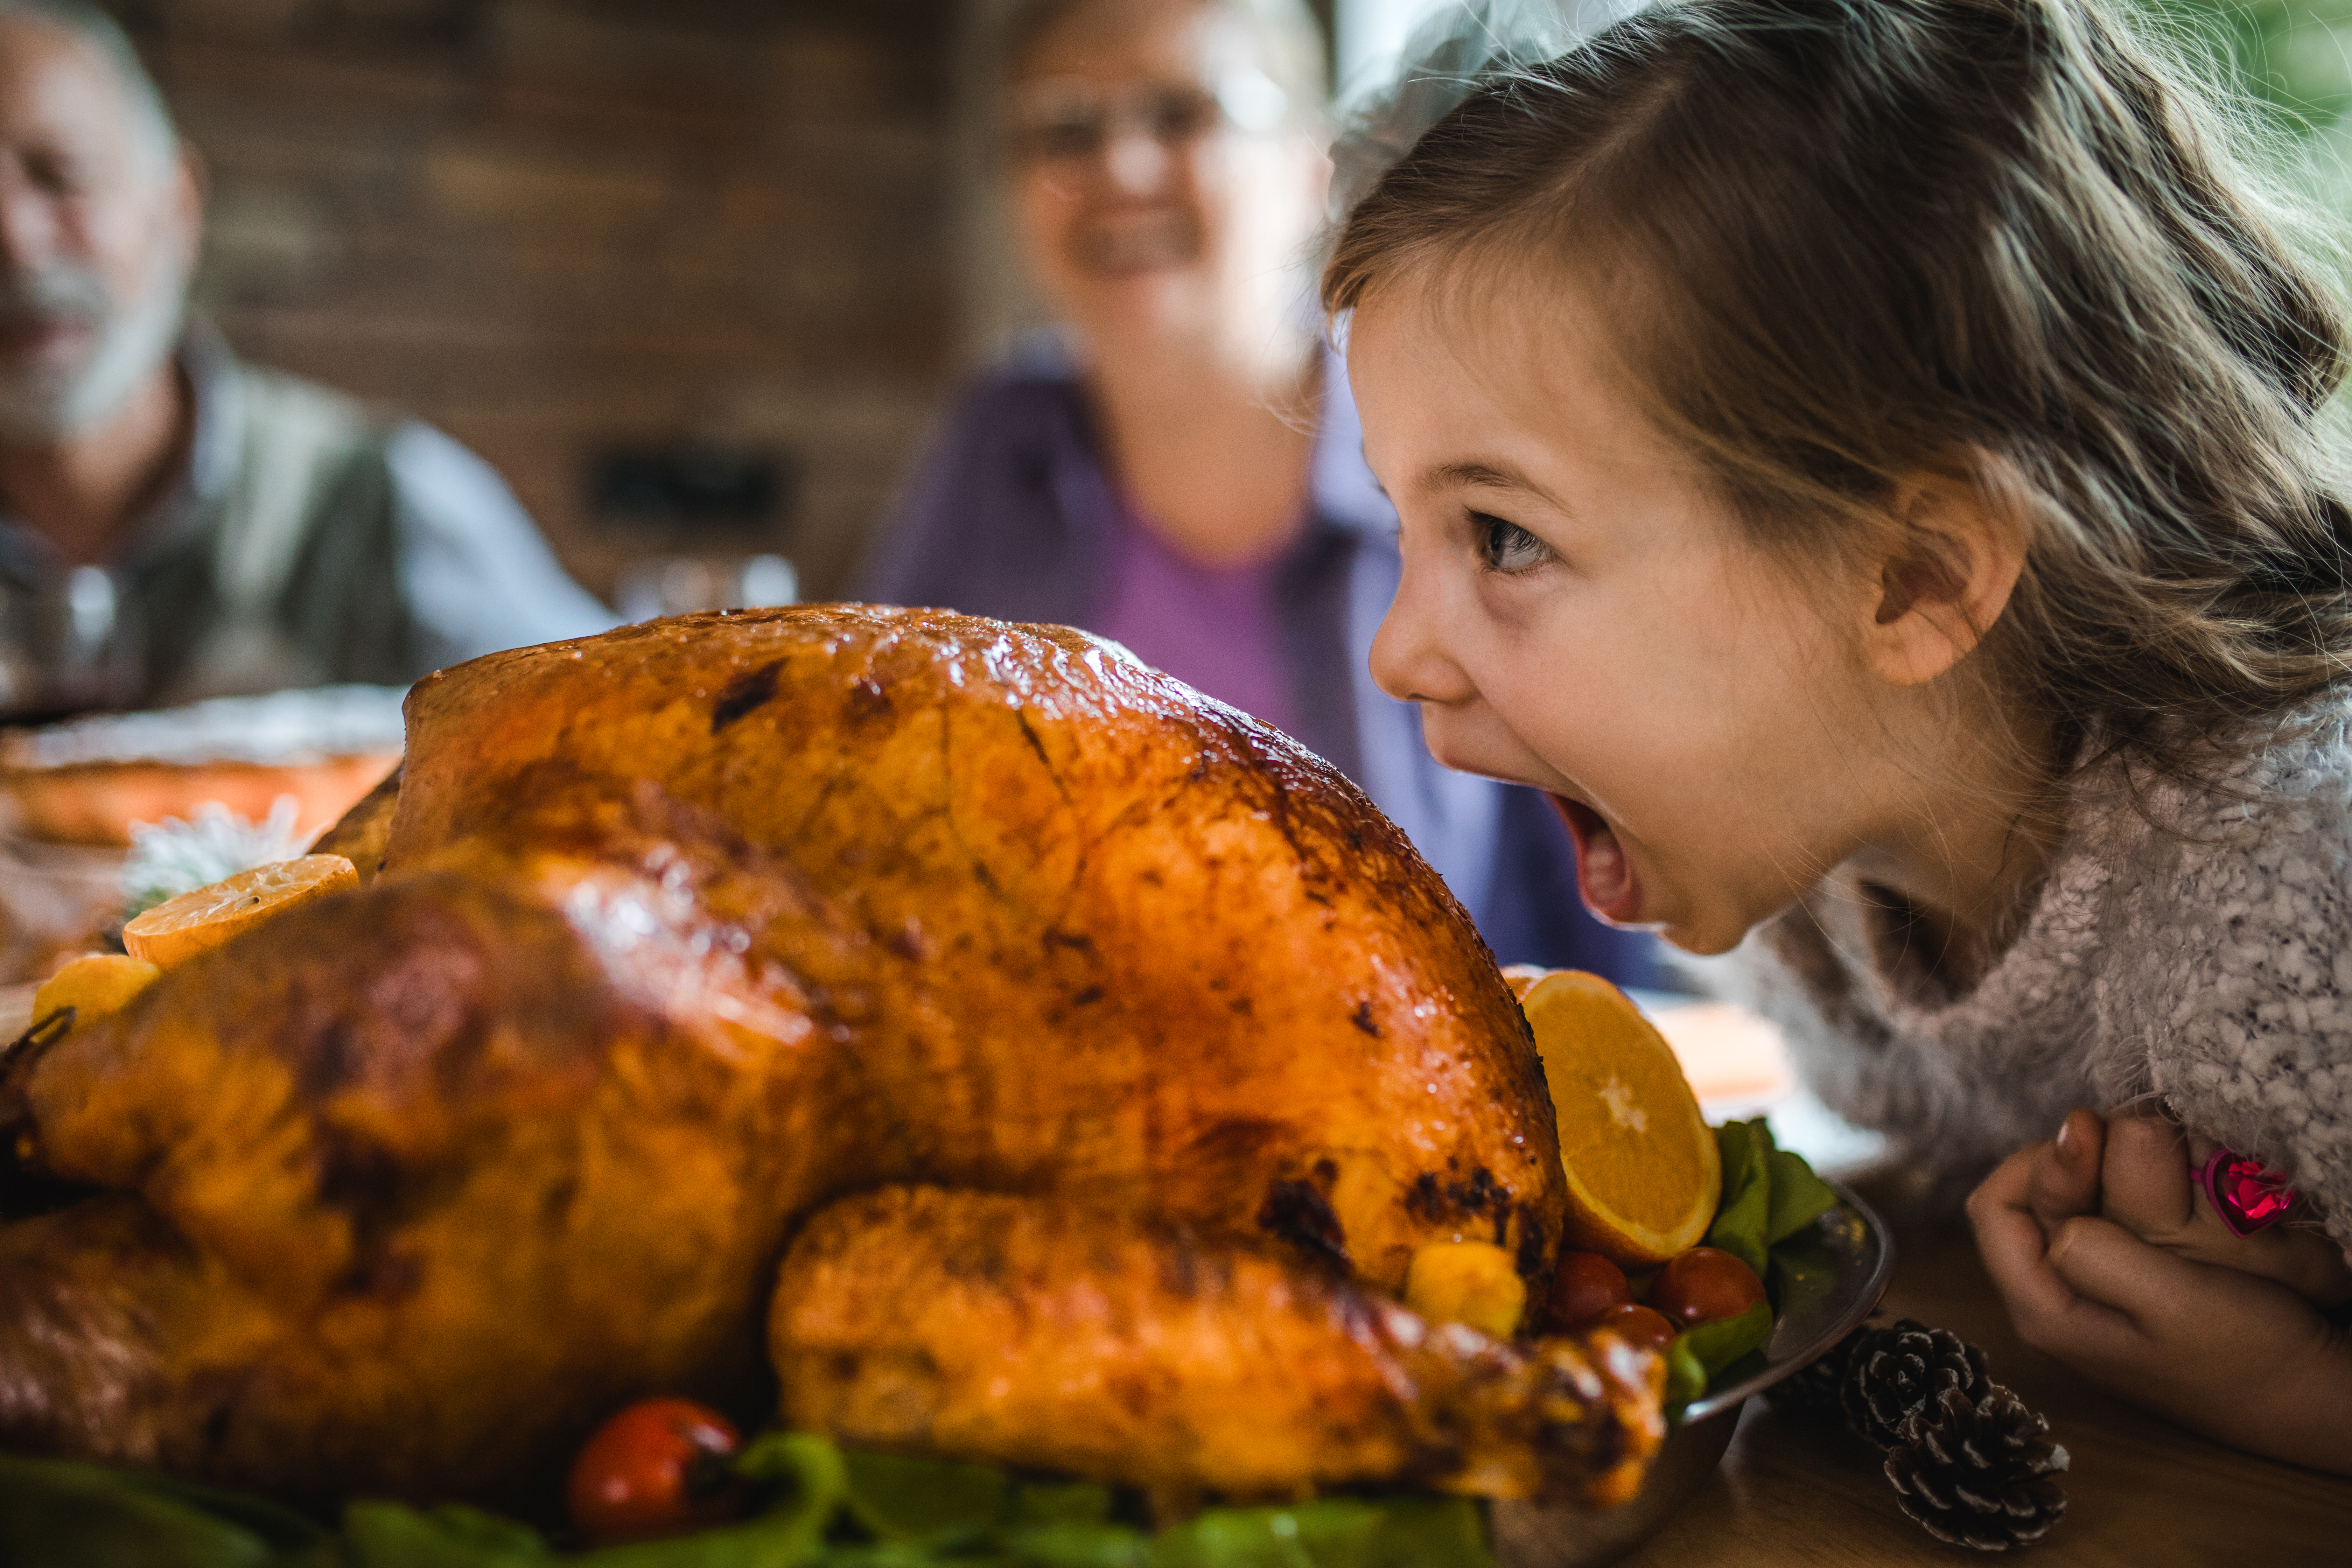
{"x": 1957, "y": 560}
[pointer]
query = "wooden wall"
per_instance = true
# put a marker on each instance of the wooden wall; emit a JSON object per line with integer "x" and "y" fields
{"x": 548, "y": 225}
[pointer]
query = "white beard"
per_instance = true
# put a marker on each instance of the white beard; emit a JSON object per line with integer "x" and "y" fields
{"x": 47, "y": 406}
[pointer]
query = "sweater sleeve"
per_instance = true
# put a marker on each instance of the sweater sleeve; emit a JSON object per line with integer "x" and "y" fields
{"x": 2238, "y": 985}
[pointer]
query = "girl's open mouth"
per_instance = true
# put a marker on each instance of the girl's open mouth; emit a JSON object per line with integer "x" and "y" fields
{"x": 1604, "y": 875}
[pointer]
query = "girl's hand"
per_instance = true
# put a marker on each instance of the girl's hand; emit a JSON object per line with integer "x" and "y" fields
{"x": 2242, "y": 1358}
{"x": 2134, "y": 1169}
{"x": 2147, "y": 1186}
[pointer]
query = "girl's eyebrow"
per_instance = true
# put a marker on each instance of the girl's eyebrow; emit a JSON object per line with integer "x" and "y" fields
{"x": 1484, "y": 475}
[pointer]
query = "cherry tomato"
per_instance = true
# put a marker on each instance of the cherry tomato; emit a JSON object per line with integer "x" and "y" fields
{"x": 1637, "y": 1326}
{"x": 657, "y": 1468}
{"x": 1586, "y": 1285}
{"x": 1703, "y": 1285}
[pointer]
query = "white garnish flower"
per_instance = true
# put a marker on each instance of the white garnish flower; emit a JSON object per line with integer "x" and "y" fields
{"x": 171, "y": 856}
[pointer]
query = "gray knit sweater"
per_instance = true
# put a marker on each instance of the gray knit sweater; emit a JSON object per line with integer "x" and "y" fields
{"x": 2209, "y": 959}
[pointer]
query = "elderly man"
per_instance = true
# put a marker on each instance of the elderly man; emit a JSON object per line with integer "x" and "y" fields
{"x": 175, "y": 524}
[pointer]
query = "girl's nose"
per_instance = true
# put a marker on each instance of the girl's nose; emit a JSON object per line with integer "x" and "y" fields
{"x": 1410, "y": 660}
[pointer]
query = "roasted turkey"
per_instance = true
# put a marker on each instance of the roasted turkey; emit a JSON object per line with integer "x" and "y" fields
{"x": 972, "y": 1040}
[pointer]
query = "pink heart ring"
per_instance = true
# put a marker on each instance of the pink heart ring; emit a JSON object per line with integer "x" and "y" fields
{"x": 2247, "y": 1197}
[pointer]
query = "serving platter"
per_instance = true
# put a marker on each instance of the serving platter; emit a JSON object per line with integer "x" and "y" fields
{"x": 1831, "y": 1279}
{"x": 1834, "y": 1278}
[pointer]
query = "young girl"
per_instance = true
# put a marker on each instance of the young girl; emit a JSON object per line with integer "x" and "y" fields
{"x": 1863, "y": 458}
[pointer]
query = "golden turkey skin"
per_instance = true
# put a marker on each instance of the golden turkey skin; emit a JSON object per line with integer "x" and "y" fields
{"x": 693, "y": 944}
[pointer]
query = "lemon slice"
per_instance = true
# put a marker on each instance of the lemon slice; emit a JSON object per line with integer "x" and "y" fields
{"x": 176, "y": 931}
{"x": 1643, "y": 1174}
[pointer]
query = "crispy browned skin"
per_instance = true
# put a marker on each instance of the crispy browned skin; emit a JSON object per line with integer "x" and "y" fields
{"x": 1045, "y": 1333}
{"x": 686, "y": 932}
{"x": 365, "y": 831}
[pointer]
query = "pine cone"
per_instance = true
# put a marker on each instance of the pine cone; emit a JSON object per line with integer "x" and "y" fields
{"x": 1978, "y": 1473}
{"x": 1891, "y": 1373}
{"x": 1816, "y": 1391}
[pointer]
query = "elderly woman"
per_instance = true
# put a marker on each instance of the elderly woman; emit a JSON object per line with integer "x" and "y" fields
{"x": 1179, "y": 467}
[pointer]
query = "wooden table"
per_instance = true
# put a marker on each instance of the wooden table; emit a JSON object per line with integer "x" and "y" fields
{"x": 2142, "y": 1493}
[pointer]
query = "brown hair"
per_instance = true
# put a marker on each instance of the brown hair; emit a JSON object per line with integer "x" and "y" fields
{"x": 1994, "y": 239}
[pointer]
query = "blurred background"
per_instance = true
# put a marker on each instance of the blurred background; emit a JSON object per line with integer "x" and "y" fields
{"x": 682, "y": 270}
{"x": 691, "y": 269}
{"x": 703, "y": 282}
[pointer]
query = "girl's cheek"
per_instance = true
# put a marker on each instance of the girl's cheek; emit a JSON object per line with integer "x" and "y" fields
{"x": 1524, "y": 616}
{"x": 1479, "y": 738}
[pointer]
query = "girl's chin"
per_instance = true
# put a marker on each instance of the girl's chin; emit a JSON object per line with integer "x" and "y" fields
{"x": 1699, "y": 941}
{"x": 1707, "y": 927}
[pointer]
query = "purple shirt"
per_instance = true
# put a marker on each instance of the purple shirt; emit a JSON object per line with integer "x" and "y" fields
{"x": 1218, "y": 628}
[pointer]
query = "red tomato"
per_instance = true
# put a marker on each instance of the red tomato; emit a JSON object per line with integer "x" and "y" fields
{"x": 657, "y": 1468}
{"x": 1586, "y": 1285}
{"x": 1637, "y": 1326}
{"x": 1703, "y": 1285}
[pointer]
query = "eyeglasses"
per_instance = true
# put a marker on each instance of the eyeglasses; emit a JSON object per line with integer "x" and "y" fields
{"x": 1070, "y": 120}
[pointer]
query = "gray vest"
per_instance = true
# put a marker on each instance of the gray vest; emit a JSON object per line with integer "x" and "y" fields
{"x": 289, "y": 573}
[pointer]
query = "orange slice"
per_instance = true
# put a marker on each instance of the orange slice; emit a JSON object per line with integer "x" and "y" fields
{"x": 178, "y": 929}
{"x": 1519, "y": 977}
{"x": 93, "y": 986}
{"x": 1643, "y": 1173}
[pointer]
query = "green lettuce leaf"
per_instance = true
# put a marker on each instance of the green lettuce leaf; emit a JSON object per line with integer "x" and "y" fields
{"x": 879, "y": 1512}
{"x": 1741, "y": 1220}
{"x": 804, "y": 1475}
{"x": 1770, "y": 1197}
{"x": 1686, "y": 1374}
{"x": 1062, "y": 1502}
{"x": 1336, "y": 1532}
{"x": 93, "y": 1516}
{"x": 394, "y": 1535}
{"x": 1717, "y": 1344}
{"x": 925, "y": 1499}
{"x": 1798, "y": 1196}
{"x": 1074, "y": 1543}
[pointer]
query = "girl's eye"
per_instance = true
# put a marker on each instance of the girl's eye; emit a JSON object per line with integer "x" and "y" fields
{"x": 1507, "y": 548}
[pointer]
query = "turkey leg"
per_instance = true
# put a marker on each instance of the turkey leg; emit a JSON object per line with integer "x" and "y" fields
{"x": 1037, "y": 1333}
